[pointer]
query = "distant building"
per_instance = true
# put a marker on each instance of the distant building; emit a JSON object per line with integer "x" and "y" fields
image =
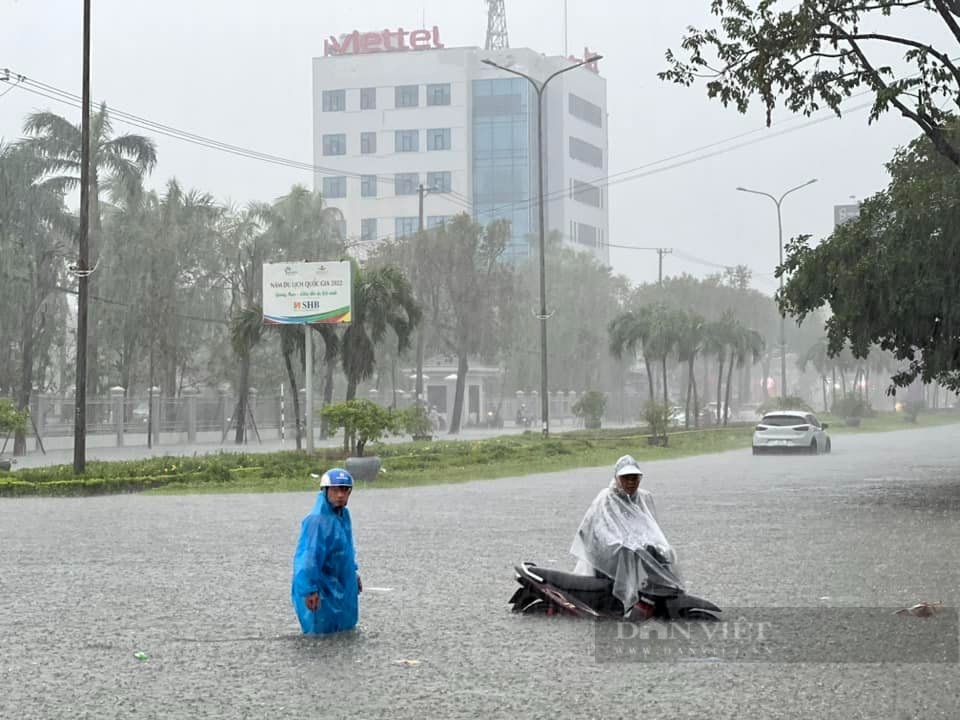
{"x": 396, "y": 109}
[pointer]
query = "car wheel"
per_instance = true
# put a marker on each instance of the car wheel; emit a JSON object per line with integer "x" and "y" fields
{"x": 814, "y": 449}
{"x": 827, "y": 449}
{"x": 756, "y": 451}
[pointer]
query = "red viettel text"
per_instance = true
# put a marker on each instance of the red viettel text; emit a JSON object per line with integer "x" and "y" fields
{"x": 384, "y": 41}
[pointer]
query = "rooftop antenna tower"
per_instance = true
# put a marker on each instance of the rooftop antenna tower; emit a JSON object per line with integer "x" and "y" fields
{"x": 496, "y": 25}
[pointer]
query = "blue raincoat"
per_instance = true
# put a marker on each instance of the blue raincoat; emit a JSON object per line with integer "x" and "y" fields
{"x": 325, "y": 563}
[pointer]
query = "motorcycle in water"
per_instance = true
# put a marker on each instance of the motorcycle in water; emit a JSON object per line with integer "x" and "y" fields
{"x": 544, "y": 591}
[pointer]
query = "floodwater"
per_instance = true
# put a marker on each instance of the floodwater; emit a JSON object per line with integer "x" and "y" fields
{"x": 200, "y": 586}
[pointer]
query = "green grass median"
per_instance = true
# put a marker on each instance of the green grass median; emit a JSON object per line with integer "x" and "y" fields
{"x": 405, "y": 464}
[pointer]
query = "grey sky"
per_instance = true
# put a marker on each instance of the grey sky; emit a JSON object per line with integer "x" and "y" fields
{"x": 239, "y": 71}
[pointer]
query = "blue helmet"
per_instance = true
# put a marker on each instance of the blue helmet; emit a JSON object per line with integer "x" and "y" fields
{"x": 336, "y": 477}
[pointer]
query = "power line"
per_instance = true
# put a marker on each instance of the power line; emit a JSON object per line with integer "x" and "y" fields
{"x": 58, "y": 95}
{"x": 118, "y": 303}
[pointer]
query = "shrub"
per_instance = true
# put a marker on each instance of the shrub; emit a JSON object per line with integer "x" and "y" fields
{"x": 11, "y": 419}
{"x": 851, "y": 406}
{"x": 415, "y": 421}
{"x": 363, "y": 421}
{"x": 590, "y": 407}
{"x": 912, "y": 409}
{"x": 657, "y": 416}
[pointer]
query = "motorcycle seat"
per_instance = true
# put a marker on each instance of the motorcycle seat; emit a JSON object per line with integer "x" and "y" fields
{"x": 572, "y": 581}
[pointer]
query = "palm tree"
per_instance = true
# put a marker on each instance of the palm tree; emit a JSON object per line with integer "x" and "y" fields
{"x": 331, "y": 353}
{"x": 690, "y": 338}
{"x": 746, "y": 347}
{"x": 382, "y": 298}
{"x": 302, "y": 226}
{"x": 246, "y": 330}
{"x": 124, "y": 159}
{"x": 243, "y": 233}
{"x": 816, "y": 355}
{"x": 662, "y": 339}
{"x": 34, "y": 240}
{"x": 719, "y": 336}
{"x": 629, "y": 332}
{"x": 292, "y": 343}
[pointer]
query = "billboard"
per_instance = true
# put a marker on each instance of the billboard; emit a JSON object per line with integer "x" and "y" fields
{"x": 845, "y": 213}
{"x": 307, "y": 292}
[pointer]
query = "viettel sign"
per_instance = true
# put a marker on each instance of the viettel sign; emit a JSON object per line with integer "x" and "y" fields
{"x": 357, "y": 43}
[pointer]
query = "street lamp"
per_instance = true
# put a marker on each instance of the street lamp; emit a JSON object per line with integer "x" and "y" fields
{"x": 783, "y": 342}
{"x": 540, "y": 87}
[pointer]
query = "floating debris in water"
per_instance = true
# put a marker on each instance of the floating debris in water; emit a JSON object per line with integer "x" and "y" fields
{"x": 922, "y": 609}
{"x": 407, "y": 662}
{"x": 141, "y": 656}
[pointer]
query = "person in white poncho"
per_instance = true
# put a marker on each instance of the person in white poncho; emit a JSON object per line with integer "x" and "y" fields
{"x": 619, "y": 531}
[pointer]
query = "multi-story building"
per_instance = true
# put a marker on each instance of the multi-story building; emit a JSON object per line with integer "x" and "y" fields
{"x": 394, "y": 110}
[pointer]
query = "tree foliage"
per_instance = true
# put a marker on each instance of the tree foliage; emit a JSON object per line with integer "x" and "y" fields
{"x": 818, "y": 53}
{"x": 11, "y": 419}
{"x": 891, "y": 276}
{"x": 363, "y": 421}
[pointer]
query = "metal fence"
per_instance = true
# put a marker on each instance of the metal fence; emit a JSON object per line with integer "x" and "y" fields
{"x": 118, "y": 420}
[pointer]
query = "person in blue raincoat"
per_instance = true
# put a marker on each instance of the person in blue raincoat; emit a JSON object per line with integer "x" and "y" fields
{"x": 326, "y": 583}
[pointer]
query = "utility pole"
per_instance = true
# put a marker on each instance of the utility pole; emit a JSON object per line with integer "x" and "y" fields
{"x": 82, "y": 272}
{"x": 540, "y": 87}
{"x": 421, "y": 192}
{"x": 661, "y": 252}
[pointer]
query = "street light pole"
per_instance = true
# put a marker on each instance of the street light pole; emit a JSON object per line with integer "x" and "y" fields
{"x": 783, "y": 340}
{"x": 540, "y": 88}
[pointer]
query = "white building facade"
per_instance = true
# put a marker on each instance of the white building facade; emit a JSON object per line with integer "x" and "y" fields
{"x": 388, "y": 121}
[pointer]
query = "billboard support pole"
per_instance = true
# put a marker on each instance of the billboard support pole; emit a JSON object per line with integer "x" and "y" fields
{"x": 308, "y": 346}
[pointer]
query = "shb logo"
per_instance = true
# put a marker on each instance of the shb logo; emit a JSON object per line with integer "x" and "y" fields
{"x": 296, "y": 306}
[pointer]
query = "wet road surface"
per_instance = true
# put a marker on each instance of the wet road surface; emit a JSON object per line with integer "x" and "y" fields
{"x": 201, "y": 586}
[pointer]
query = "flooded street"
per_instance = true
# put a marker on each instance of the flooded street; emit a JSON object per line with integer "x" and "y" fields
{"x": 200, "y": 586}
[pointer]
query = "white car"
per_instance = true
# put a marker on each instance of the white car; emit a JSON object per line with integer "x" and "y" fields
{"x": 790, "y": 431}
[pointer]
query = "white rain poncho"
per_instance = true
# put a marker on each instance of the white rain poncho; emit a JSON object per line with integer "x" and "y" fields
{"x": 613, "y": 538}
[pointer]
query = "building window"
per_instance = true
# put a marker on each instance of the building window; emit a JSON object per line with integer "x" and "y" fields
{"x": 586, "y": 110}
{"x": 407, "y": 141}
{"x": 335, "y": 144}
{"x": 368, "y": 98}
{"x": 586, "y": 193}
{"x": 438, "y": 94}
{"x": 368, "y": 142}
{"x": 406, "y": 226}
{"x": 368, "y": 186}
{"x": 368, "y": 229}
{"x": 335, "y": 187}
{"x": 439, "y": 181}
{"x": 334, "y": 100}
{"x": 407, "y": 96}
{"x": 405, "y": 183}
{"x": 585, "y": 234}
{"x": 585, "y": 152}
{"x": 438, "y": 139}
{"x": 437, "y": 220}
